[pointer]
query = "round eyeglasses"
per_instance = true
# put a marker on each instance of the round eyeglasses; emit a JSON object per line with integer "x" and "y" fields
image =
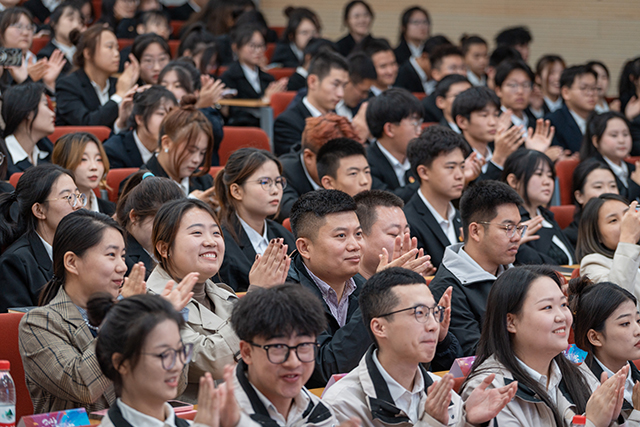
{"x": 510, "y": 229}
{"x": 268, "y": 183}
{"x": 421, "y": 313}
{"x": 279, "y": 353}
{"x": 73, "y": 199}
{"x": 170, "y": 356}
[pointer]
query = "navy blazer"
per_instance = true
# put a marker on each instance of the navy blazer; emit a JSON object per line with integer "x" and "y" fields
{"x": 106, "y": 207}
{"x": 296, "y": 82}
{"x": 283, "y": 54}
{"x": 77, "y": 103}
{"x": 234, "y": 78}
{"x": 288, "y": 128}
{"x": 201, "y": 183}
{"x": 568, "y": 134}
{"x": 297, "y": 183}
{"x": 537, "y": 251}
{"x": 24, "y": 268}
{"x": 408, "y": 78}
{"x": 47, "y": 51}
{"x": 135, "y": 253}
{"x": 385, "y": 178}
{"x": 403, "y": 53}
{"x": 122, "y": 151}
{"x": 239, "y": 254}
{"x": 431, "y": 111}
{"x": 44, "y": 145}
{"x": 426, "y": 229}
{"x": 37, "y": 9}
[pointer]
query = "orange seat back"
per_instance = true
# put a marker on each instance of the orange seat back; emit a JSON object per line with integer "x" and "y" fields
{"x": 563, "y": 214}
{"x": 419, "y": 95}
{"x": 10, "y": 350}
{"x": 564, "y": 172}
{"x": 271, "y": 47}
{"x": 214, "y": 170}
{"x": 280, "y": 101}
{"x": 122, "y": 43}
{"x": 39, "y": 43}
{"x": 100, "y": 132}
{"x": 14, "y": 178}
{"x": 114, "y": 178}
{"x": 287, "y": 224}
{"x": 238, "y": 137}
{"x": 173, "y": 47}
{"x": 427, "y": 124}
{"x": 176, "y": 26}
{"x": 279, "y": 30}
{"x": 279, "y": 73}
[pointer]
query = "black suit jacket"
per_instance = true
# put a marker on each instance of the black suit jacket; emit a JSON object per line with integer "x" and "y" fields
{"x": 431, "y": 111}
{"x": 239, "y": 254}
{"x": 408, "y": 78}
{"x": 37, "y": 9}
{"x": 106, "y": 207}
{"x": 296, "y": 82}
{"x": 77, "y": 103}
{"x": 345, "y": 45}
{"x": 538, "y": 251}
{"x": 285, "y": 56}
{"x": 201, "y": 183}
{"x": 122, "y": 151}
{"x": 297, "y": 183}
{"x": 5, "y": 187}
{"x": 425, "y": 228}
{"x": 403, "y": 53}
{"x": 288, "y": 127}
{"x": 234, "y": 78}
{"x": 384, "y": 177}
{"x": 135, "y": 254}
{"x": 47, "y": 51}
{"x": 568, "y": 134}
{"x": 180, "y": 13}
{"x": 629, "y": 190}
{"x": 24, "y": 268}
{"x": 44, "y": 145}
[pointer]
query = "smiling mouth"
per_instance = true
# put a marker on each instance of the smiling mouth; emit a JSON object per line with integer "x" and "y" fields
{"x": 210, "y": 255}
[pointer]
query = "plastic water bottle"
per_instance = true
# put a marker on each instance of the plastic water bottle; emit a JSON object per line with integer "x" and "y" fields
{"x": 578, "y": 420}
{"x": 7, "y": 396}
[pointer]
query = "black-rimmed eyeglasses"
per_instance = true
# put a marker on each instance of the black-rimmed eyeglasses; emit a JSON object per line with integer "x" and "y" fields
{"x": 279, "y": 353}
{"x": 170, "y": 356}
{"x": 421, "y": 313}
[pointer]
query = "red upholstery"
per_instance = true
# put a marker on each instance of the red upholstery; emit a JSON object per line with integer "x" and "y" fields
{"x": 419, "y": 95}
{"x": 122, "y": 43}
{"x": 39, "y": 43}
{"x": 280, "y": 102}
{"x": 176, "y": 26}
{"x": 97, "y": 9}
{"x": 173, "y": 47}
{"x": 114, "y": 178}
{"x": 457, "y": 383}
{"x": 9, "y": 350}
{"x": 271, "y": 47}
{"x": 576, "y": 273}
{"x": 632, "y": 159}
{"x": 14, "y": 178}
{"x": 279, "y": 73}
{"x": 563, "y": 214}
{"x": 213, "y": 170}
{"x": 564, "y": 172}
{"x": 101, "y": 132}
{"x": 287, "y": 224}
{"x": 239, "y": 137}
{"x": 279, "y": 30}
{"x": 427, "y": 124}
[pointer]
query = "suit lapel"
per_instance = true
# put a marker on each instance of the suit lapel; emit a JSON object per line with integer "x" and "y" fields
{"x": 381, "y": 164}
{"x": 430, "y": 222}
{"x": 131, "y": 148}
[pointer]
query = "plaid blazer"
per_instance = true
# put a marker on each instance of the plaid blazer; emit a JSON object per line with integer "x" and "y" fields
{"x": 60, "y": 364}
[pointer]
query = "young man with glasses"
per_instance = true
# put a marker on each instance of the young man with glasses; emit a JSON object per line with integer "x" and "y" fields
{"x": 492, "y": 236}
{"x": 390, "y": 386}
{"x": 578, "y": 87}
{"x": 394, "y": 118}
{"x": 278, "y": 329}
{"x": 513, "y": 85}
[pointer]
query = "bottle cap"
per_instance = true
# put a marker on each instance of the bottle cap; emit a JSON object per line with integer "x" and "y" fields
{"x": 5, "y": 365}
{"x": 579, "y": 420}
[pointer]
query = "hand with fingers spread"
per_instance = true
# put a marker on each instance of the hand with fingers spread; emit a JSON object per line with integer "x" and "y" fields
{"x": 406, "y": 255}
{"x": 555, "y": 152}
{"x": 207, "y": 196}
{"x": 274, "y": 87}
{"x": 55, "y": 64}
{"x": 606, "y": 401}
{"x": 134, "y": 284}
{"x": 533, "y": 226}
{"x": 210, "y": 93}
{"x": 473, "y": 167}
{"x": 438, "y": 399}
{"x": 483, "y": 405}
{"x": 504, "y": 121}
{"x": 180, "y": 295}
{"x": 445, "y": 302}
{"x": 271, "y": 268}
{"x": 19, "y": 73}
{"x": 630, "y": 226}
{"x": 125, "y": 108}
{"x": 208, "y": 403}
{"x": 541, "y": 139}
{"x": 506, "y": 142}
{"x": 37, "y": 71}
{"x": 129, "y": 76}
{"x": 229, "y": 409}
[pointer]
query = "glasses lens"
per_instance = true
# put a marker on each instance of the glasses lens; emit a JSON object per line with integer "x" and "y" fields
{"x": 187, "y": 353}
{"x": 282, "y": 182}
{"x": 278, "y": 353}
{"x": 306, "y": 352}
{"x": 168, "y": 359}
{"x": 1, "y": 158}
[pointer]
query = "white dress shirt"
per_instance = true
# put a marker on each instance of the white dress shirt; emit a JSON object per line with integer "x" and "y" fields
{"x": 18, "y": 154}
{"x": 67, "y": 51}
{"x": 400, "y": 169}
{"x": 428, "y": 85}
{"x": 517, "y": 121}
{"x": 297, "y": 52}
{"x": 475, "y": 80}
{"x": 455, "y": 128}
{"x": 553, "y": 105}
{"x": 555, "y": 376}
{"x": 260, "y": 242}
{"x": 416, "y": 51}
{"x": 302, "y": 71}
{"x": 184, "y": 184}
{"x": 375, "y": 90}
{"x": 138, "y": 419}
{"x": 343, "y": 110}
{"x": 313, "y": 110}
{"x": 144, "y": 152}
{"x": 487, "y": 157}
{"x": 47, "y": 247}
{"x": 628, "y": 383}
{"x": 298, "y": 406}
{"x": 582, "y": 123}
{"x": 447, "y": 224}
{"x": 602, "y": 108}
{"x": 252, "y": 76}
{"x": 621, "y": 172}
{"x": 92, "y": 203}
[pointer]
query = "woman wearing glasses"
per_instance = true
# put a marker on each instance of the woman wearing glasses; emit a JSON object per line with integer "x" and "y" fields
{"x": 249, "y": 191}
{"x": 531, "y": 173}
{"x": 58, "y": 339}
{"x": 140, "y": 350}
{"x": 29, "y": 219}
{"x": 608, "y": 236}
{"x": 153, "y": 54}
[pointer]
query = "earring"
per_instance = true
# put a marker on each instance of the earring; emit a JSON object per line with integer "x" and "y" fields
{"x": 166, "y": 150}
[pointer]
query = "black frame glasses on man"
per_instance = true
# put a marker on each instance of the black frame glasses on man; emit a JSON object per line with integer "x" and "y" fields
{"x": 170, "y": 355}
{"x": 421, "y": 313}
{"x": 279, "y": 353}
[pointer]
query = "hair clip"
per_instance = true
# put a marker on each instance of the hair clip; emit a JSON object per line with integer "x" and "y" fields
{"x": 147, "y": 175}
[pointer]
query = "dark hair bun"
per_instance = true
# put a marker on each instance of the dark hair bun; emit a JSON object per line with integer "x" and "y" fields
{"x": 98, "y": 306}
{"x": 189, "y": 101}
{"x": 577, "y": 288}
{"x": 288, "y": 11}
{"x": 74, "y": 36}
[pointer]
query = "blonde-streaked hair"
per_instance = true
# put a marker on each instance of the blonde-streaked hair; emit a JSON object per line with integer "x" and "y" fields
{"x": 69, "y": 148}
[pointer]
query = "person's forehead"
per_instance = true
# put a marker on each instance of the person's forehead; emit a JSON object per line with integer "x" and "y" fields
{"x": 507, "y": 212}
{"x": 340, "y": 219}
{"x": 412, "y": 295}
{"x": 388, "y": 215}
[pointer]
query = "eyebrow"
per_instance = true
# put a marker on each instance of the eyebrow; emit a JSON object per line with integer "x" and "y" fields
{"x": 623, "y": 315}
{"x": 550, "y": 299}
{"x": 116, "y": 247}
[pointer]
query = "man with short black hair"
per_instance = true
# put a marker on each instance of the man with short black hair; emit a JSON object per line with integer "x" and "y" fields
{"x": 362, "y": 74}
{"x": 500, "y": 54}
{"x": 394, "y": 118}
{"x": 328, "y": 75}
{"x": 445, "y": 60}
{"x": 518, "y": 38}
{"x": 384, "y": 61}
{"x": 342, "y": 165}
{"x": 298, "y": 80}
{"x": 446, "y": 92}
{"x": 580, "y": 94}
{"x": 492, "y": 235}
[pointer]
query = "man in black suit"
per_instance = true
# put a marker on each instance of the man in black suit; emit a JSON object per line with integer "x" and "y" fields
{"x": 362, "y": 75}
{"x": 342, "y": 165}
{"x": 394, "y": 118}
{"x": 384, "y": 61}
{"x": 415, "y": 75}
{"x": 513, "y": 83}
{"x": 445, "y": 60}
{"x": 579, "y": 91}
{"x": 298, "y": 80}
{"x": 437, "y": 158}
{"x": 328, "y": 75}
{"x": 446, "y": 92}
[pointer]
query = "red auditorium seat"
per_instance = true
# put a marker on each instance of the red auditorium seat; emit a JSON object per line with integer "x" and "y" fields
{"x": 239, "y": 137}
{"x": 280, "y": 102}
{"x": 564, "y": 172}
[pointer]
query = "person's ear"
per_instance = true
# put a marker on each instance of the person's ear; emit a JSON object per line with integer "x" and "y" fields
{"x": 579, "y": 197}
{"x": 388, "y": 129}
{"x": 163, "y": 249}
{"x": 70, "y": 261}
{"x": 133, "y": 217}
{"x": 498, "y": 90}
{"x": 423, "y": 173}
{"x": 476, "y": 232}
{"x": 37, "y": 209}
{"x": 441, "y": 102}
{"x": 140, "y": 29}
{"x": 166, "y": 143}
{"x": 327, "y": 183}
{"x": 236, "y": 192}
{"x": 436, "y": 74}
{"x": 594, "y": 141}
{"x": 121, "y": 367}
{"x": 595, "y": 338}
{"x": 378, "y": 327}
{"x": 139, "y": 122}
{"x": 308, "y": 155}
{"x": 245, "y": 352}
{"x": 304, "y": 245}
{"x": 565, "y": 92}
{"x": 462, "y": 122}
{"x": 313, "y": 82}
{"x": 511, "y": 323}
{"x": 512, "y": 181}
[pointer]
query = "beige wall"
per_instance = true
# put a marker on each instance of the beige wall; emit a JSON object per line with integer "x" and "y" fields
{"x": 578, "y": 30}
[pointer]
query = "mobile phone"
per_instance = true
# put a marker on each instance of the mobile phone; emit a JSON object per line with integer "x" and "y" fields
{"x": 10, "y": 57}
{"x": 179, "y": 404}
{"x": 229, "y": 92}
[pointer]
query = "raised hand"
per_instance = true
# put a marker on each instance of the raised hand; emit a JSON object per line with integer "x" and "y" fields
{"x": 483, "y": 405}
{"x": 207, "y": 196}
{"x": 541, "y": 139}
{"x": 125, "y": 108}
{"x": 271, "y": 268}
{"x": 555, "y": 152}
{"x": 533, "y": 226}
{"x": 129, "y": 76}
{"x": 506, "y": 142}
{"x": 438, "y": 399}
{"x": 445, "y": 301}
{"x": 274, "y": 87}
{"x": 211, "y": 92}
{"x": 208, "y": 403}
{"x": 504, "y": 122}
{"x": 605, "y": 402}
{"x": 630, "y": 226}
{"x": 229, "y": 409}
{"x": 359, "y": 123}
{"x": 36, "y": 71}
{"x": 134, "y": 284}
{"x": 55, "y": 64}
{"x": 19, "y": 73}
{"x": 635, "y": 397}
{"x": 473, "y": 167}
{"x": 179, "y": 296}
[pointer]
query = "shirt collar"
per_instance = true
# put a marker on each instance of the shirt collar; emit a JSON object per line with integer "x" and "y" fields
{"x": 475, "y": 80}
{"x": 427, "y": 84}
{"x": 68, "y": 51}
{"x": 184, "y": 184}
{"x": 103, "y": 94}
{"x": 451, "y": 211}
{"x": 622, "y": 171}
{"x": 517, "y": 121}
{"x": 415, "y": 50}
{"x": 375, "y": 90}
{"x": 306, "y": 172}
{"x": 349, "y": 288}
{"x": 47, "y": 246}
{"x": 313, "y": 110}
{"x": 252, "y": 76}
{"x": 343, "y": 110}
{"x": 93, "y": 201}
{"x": 553, "y": 105}
{"x": 297, "y": 52}
{"x": 397, "y": 390}
{"x": 555, "y": 377}
{"x": 18, "y": 154}
{"x": 628, "y": 383}
{"x": 582, "y": 123}
{"x": 144, "y": 152}
{"x": 300, "y": 403}
{"x": 455, "y": 128}
{"x": 137, "y": 418}
{"x": 258, "y": 241}
{"x": 302, "y": 71}
{"x": 394, "y": 162}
